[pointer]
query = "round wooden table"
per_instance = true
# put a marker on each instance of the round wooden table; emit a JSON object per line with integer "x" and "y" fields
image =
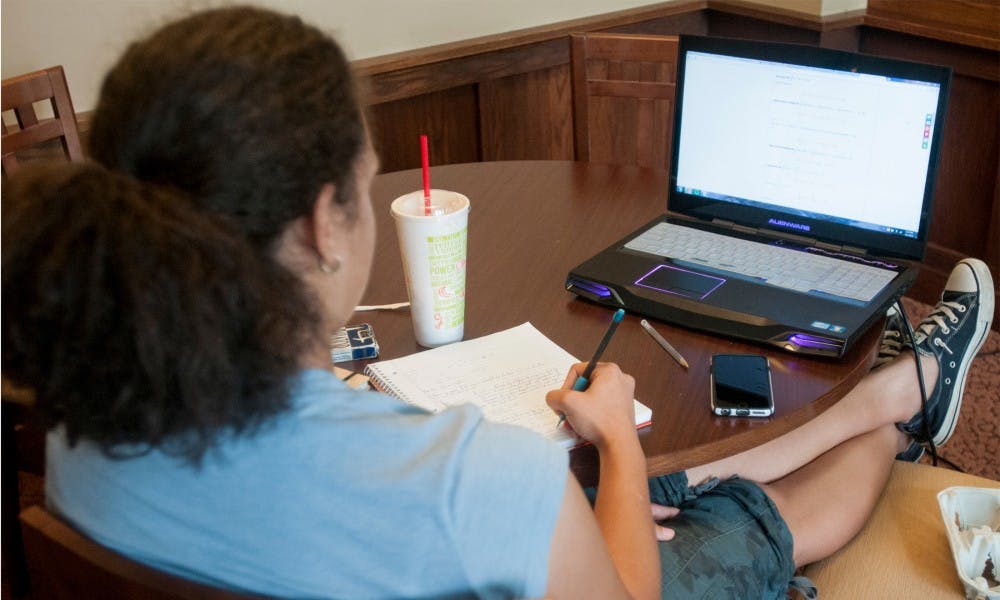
{"x": 530, "y": 223}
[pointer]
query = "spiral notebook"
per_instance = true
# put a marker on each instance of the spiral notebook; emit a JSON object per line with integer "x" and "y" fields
{"x": 505, "y": 374}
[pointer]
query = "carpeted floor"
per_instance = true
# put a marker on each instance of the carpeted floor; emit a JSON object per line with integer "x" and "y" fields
{"x": 975, "y": 445}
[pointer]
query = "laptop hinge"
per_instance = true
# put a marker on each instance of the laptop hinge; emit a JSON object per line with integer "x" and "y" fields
{"x": 852, "y": 250}
{"x": 735, "y": 226}
{"x": 723, "y": 223}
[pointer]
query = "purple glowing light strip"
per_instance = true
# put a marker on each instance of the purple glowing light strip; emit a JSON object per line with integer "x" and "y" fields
{"x": 811, "y": 341}
{"x": 593, "y": 288}
{"x": 639, "y": 283}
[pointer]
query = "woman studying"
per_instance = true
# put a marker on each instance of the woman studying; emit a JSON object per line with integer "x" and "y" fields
{"x": 171, "y": 304}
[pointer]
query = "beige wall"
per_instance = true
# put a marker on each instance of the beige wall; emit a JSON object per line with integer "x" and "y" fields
{"x": 85, "y": 36}
{"x": 821, "y": 8}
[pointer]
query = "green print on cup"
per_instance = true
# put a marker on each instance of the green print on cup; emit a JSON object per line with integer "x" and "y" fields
{"x": 446, "y": 254}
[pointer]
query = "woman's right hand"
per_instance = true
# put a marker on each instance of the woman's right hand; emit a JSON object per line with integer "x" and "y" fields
{"x": 604, "y": 414}
{"x": 604, "y": 411}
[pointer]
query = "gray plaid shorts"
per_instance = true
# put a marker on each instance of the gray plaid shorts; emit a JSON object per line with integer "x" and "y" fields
{"x": 730, "y": 541}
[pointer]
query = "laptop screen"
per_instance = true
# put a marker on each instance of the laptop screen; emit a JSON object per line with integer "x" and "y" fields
{"x": 825, "y": 144}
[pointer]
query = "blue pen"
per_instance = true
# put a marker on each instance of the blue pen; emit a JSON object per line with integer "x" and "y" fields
{"x": 583, "y": 381}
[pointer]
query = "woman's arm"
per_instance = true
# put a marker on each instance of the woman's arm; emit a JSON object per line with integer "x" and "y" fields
{"x": 610, "y": 551}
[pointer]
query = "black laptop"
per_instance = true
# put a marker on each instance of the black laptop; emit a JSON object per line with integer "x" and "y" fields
{"x": 799, "y": 197}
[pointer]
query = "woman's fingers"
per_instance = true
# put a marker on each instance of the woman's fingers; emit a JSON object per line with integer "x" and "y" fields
{"x": 664, "y": 534}
{"x": 660, "y": 512}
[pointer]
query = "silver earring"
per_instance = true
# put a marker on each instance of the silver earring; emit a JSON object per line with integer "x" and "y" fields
{"x": 328, "y": 268}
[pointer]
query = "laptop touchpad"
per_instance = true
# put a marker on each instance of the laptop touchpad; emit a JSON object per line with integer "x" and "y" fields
{"x": 681, "y": 282}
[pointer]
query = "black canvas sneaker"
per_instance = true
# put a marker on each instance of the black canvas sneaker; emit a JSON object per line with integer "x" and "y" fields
{"x": 953, "y": 334}
{"x": 913, "y": 453}
{"x": 894, "y": 341}
{"x": 893, "y": 338}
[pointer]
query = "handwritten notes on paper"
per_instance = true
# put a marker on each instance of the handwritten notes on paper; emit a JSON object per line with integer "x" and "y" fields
{"x": 506, "y": 374}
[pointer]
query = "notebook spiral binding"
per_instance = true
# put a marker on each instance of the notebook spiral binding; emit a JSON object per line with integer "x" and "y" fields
{"x": 381, "y": 383}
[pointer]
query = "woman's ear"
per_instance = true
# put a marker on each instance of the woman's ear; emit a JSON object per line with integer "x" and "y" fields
{"x": 327, "y": 223}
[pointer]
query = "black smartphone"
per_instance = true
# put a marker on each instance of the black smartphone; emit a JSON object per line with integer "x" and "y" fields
{"x": 741, "y": 385}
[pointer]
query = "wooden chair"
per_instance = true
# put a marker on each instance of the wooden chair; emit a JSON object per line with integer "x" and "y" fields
{"x": 23, "y": 450}
{"x": 65, "y": 564}
{"x": 623, "y": 98}
{"x": 20, "y": 95}
{"x": 903, "y": 550}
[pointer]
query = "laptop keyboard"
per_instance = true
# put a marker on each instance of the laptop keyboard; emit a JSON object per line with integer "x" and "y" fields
{"x": 782, "y": 267}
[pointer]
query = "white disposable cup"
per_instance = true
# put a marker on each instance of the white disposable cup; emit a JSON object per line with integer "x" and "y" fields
{"x": 434, "y": 254}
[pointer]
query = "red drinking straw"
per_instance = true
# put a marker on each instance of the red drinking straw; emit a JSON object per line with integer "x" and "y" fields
{"x": 425, "y": 161}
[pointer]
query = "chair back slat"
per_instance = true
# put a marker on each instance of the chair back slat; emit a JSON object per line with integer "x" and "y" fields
{"x": 623, "y": 98}
{"x": 630, "y": 89}
{"x": 25, "y": 90}
{"x": 19, "y": 96}
{"x": 32, "y": 136}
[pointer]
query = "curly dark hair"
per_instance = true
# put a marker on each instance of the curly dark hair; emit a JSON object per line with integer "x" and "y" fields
{"x": 247, "y": 111}
{"x": 142, "y": 301}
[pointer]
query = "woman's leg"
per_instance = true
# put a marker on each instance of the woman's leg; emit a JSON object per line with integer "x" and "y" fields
{"x": 828, "y": 501}
{"x": 826, "y": 476}
{"x": 739, "y": 538}
{"x": 885, "y": 396}
{"x": 948, "y": 339}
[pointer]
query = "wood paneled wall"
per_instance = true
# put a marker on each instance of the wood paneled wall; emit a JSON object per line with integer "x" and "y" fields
{"x": 507, "y": 96}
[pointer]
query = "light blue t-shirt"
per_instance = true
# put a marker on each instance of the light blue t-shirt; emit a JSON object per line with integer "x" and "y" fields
{"x": 347, "y": 495}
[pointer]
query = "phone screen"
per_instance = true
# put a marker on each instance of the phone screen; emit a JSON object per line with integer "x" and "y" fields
{"x": 741, "y": 385}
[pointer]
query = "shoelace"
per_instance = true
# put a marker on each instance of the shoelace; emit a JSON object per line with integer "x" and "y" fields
{"x": 890, "y": 348}
{"x": 893, "y": 341}
{"x": 937, "y": 319}
{"x": 892, "y": 344}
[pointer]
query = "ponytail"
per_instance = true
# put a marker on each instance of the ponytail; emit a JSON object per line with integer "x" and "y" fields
{"x": 139, "y": 319}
